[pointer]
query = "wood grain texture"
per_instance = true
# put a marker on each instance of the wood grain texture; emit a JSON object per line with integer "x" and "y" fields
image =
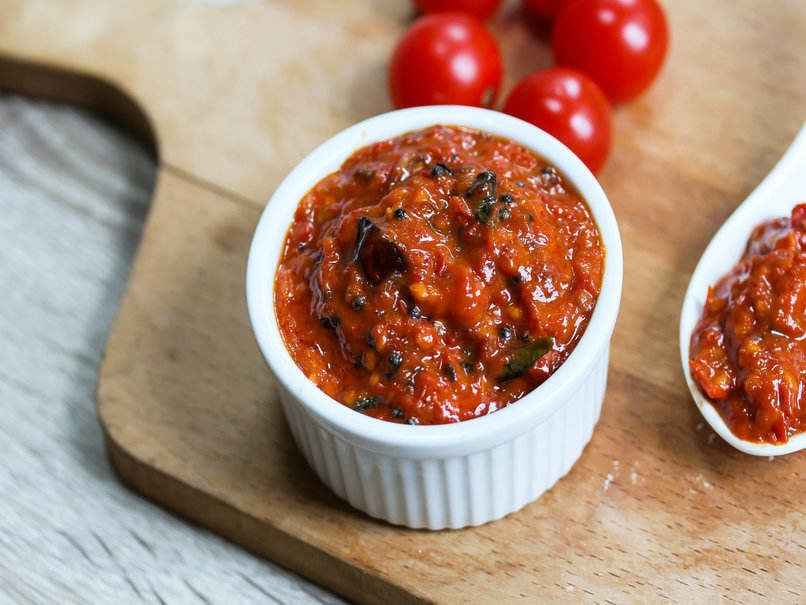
{"x": 657, "y": 507}
{"x": 73, "y": 195}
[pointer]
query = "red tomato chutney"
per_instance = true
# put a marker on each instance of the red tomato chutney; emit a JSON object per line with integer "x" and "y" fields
{"x": 748, "y": 352}
{"x": 437, "y": 276}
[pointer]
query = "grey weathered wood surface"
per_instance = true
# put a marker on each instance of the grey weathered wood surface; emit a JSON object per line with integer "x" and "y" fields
{"x": 73, "y": 197}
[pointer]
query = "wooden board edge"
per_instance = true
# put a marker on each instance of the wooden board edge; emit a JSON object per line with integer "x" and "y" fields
{"x": 135, "y": 470}
{"x": 255, "y": 536}
{"x": 87, "y": 91}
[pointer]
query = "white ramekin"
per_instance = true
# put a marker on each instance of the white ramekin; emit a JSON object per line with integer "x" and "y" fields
{"x": 451, "y": 475}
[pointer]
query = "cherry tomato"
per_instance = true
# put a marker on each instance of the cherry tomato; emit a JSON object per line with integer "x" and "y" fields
{"x": 621, "y": 44}
{"x": 546, "y": 9}
{"x": 481, "y": 9}
{"x": 569, "y": 106}
{"x": 445, "y": 59}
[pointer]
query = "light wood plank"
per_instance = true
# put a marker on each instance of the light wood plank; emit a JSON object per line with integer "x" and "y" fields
{"x": 73, "y": 195}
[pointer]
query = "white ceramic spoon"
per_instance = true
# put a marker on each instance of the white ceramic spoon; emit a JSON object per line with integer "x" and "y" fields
{"x": 784, "y": 187}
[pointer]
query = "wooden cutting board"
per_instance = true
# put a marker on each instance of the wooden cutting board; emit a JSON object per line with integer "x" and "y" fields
{"x": 233, "y": 94}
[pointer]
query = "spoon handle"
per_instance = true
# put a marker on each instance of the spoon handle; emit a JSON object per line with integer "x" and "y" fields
{"x": 787, "y": 181}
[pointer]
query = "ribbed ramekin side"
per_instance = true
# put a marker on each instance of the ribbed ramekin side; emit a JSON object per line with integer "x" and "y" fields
{"x": 456, "y": 505}
{"x": 457, "y": 491}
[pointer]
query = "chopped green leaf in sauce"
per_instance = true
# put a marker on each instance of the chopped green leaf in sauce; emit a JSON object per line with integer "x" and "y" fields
{"x": 482, "y": 194}
{"x": 485, "y": 210}
{"x": 483, "y": 180}
{"x": 365, "y": 402}
{"x": 524, "y": 358}
{"x": 440, "y": 170}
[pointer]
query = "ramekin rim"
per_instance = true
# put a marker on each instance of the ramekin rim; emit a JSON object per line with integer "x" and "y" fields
{"x": 468, "y": 435}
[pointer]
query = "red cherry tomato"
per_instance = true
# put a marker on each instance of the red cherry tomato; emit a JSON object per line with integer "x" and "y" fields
{"x": 448, "y": 58}
{"x": 546, "y": 9}
{"x": 481, "y": 9}
{"x": 568, "y": 105}
{"x": 621, "y": 44}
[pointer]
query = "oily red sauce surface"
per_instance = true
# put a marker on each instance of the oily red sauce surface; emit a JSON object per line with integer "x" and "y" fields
{"x": 748, "y": 352}
{"x": 437, "y": 276}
